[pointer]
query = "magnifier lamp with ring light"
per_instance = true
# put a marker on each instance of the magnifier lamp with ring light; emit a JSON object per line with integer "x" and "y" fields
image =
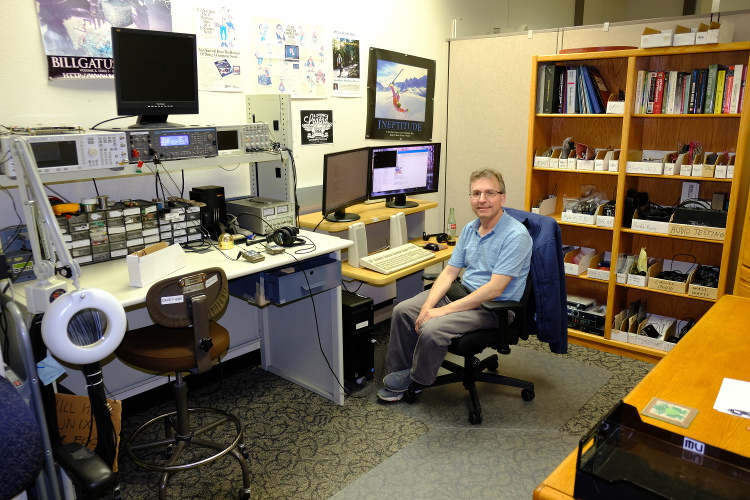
{"x": 82, "y": 326}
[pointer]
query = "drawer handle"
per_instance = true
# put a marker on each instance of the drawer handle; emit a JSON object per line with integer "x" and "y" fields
{"x": 313, "y": 285}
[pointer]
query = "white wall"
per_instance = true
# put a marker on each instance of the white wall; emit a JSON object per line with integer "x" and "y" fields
{"x": 420, "y": 28}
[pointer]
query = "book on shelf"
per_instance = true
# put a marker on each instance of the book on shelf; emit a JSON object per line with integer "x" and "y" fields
{"x": 742, "y": 89}
{"x": 571, "y": 97}
{"x": 552, "y": 74}
{"x": 728, "y": 83}
{"x": 641, "y": 77}
{"x": 710, "y": 99}
{"x": 649, "y": 92}
{"x": 601, "y": 85}
{"x": 585, "y": 106}
{"x": 692, "y": 91}
{"x": 721, "y": 78}
{"x": 736, "y": 88}
{"x": 671, "y": 91}
{"x": 658, "y": 93}
{"x": 540, "y": 84}
{"x": 700, "y": 90}
{"x": 593, "y": 98}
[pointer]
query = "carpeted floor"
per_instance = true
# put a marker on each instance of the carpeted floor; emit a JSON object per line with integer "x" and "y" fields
{"x": 304, "y": 447}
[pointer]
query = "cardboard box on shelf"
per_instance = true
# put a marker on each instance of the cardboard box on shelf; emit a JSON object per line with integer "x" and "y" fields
{"x": 656, "y": 38}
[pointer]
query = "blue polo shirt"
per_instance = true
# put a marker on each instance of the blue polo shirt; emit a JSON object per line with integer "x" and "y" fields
{"x": 504, "y": 250}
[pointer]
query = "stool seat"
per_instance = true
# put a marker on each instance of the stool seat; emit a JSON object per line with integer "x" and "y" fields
{"x": 155, "y": 349}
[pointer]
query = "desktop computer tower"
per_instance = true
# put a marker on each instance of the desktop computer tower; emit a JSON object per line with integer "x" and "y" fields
{"x": 357, "y": 318}
{"x": 214, "y": 214}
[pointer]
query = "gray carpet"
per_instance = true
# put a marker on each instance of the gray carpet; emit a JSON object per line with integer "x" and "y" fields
{"x": 304, "y": 447}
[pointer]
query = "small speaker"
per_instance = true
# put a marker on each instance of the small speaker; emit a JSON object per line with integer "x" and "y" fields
{"x": 398, "y": 230}
{"x": 358, "y": 234}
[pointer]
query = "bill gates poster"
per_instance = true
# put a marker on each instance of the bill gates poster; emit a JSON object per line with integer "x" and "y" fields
{"x": 400, "y": 96}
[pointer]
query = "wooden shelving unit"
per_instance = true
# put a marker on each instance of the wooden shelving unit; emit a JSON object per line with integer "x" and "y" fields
{"x": 628, "y": 132}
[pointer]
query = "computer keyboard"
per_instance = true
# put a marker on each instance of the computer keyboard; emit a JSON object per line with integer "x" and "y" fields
{"x": 397, "y": 258}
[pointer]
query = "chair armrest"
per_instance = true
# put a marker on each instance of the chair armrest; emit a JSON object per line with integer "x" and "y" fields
{"x": 501, "y": 308}
{"x": 497, "y": 306}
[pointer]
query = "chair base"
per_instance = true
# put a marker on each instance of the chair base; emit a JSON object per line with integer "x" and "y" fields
{"x": 469, "y": 374}
{"x": 175, "y": 444}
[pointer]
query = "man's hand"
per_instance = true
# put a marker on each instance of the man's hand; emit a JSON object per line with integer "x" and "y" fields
{"x": 427, "y": 314}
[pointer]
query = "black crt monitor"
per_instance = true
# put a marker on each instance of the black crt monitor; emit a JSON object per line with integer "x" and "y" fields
{"x": 156, "y": 75}
{"x": 345, "y": 176}
{"x": 400, "y": 171}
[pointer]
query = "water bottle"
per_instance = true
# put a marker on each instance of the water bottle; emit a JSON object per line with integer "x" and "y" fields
{"x": 451, "y": 225}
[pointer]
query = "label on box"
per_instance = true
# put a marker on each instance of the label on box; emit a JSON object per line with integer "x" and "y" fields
{"x": 585, "y": 165}
{"x": 703, "y": 292}
{"x": 577, "y": 218}
{"x": 131, "y": 211}
{"x": 644, "y": 167}
{"x": 705, "y": 232}
{"x": 599, "y": 164}
{"x": 614, "y": 165}
{"x": 605, "y": 221}
{"x": 637, "y": 280}
{"x": 667, "y": 285}
{"x": 650, "y": 226}
{"x": 541, "y": 161}
{"x": 598, "y": 274}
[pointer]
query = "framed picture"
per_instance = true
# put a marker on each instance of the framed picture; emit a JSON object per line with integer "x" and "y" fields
{"x": 400, "y": 96}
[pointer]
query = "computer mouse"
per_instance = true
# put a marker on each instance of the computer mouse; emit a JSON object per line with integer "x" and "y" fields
{"x": 431, "y": 246}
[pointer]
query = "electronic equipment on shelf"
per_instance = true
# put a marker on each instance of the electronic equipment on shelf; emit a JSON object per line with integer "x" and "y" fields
{"x": 58, "y": 153}
{"x": 262, "y": 215}
{"x": 397, "y": 258}
{"x": 171, "y": 143}
{"x": 242, "y": 139}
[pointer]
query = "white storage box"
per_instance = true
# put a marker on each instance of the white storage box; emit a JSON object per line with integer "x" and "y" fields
{"x": 153, "y": 263}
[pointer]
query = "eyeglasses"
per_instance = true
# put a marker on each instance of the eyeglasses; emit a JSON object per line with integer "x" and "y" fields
{"x": 490, "y": 193}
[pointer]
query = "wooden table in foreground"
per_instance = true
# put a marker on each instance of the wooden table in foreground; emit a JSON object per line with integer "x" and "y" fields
{"x": 691, "y": 375}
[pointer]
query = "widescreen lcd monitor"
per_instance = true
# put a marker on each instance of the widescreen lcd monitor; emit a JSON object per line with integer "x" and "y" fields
{"x": 401, "y": 171}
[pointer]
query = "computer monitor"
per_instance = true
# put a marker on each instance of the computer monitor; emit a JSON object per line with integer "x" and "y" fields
{"x": 156, "y": 75}
{"x": 398, "y": 171}
{"x": 345, "y": 183}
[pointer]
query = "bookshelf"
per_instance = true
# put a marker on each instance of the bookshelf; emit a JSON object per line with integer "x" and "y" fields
{"x": 631, "y": 131}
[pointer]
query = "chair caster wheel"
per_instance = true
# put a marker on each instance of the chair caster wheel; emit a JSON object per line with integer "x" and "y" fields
{"x": 410, "y": 396}
{"x": 493, "y": 366}
{"x": 475, "y": 418}
{"x": 244, "y": 494}
{"x": 169, "y": 451}
{"x": 527, "y": 394}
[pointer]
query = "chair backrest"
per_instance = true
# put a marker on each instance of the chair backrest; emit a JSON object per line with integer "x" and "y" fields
{"x": 191, "y": 300}
{"x": 172, "y": 302}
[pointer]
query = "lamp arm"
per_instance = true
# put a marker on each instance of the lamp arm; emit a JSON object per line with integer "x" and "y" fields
{"x": 41, "y": 222}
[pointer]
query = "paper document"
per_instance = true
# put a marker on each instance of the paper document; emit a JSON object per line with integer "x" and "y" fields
{"x": 734, "y": 398}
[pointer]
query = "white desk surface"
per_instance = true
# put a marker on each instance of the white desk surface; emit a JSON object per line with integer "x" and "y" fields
{"x": 112, "y": 275}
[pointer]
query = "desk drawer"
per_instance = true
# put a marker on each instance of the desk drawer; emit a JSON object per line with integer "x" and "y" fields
{"x": 287, "y": 284}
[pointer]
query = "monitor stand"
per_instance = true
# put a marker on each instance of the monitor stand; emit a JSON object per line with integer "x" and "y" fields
{"x": 399, "y": 201}
{"x": 145, "y": 122}
{"x": 341, "y": 216}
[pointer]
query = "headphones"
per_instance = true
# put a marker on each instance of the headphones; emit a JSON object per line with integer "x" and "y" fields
{"x": 440, "y": 237}
{"x": 286, "y": 237}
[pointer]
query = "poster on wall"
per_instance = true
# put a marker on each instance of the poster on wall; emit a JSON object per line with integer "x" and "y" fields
{"x": 292, "y": 59}
{"x": 316, "y": 127}
{"x": 218, "y": 50}
{"x": 76, "y": 33}
{"x": 400, "y": 96}
{"x": 346, "y": 63}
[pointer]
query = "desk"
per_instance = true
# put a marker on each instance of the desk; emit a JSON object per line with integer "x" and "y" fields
{"x": 381, "y": 287}
{"x": 287, "y": 338}
{"x": 690, "y": 375}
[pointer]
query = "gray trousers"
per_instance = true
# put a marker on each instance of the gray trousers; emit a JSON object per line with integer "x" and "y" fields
{"x": 425, "y": 352}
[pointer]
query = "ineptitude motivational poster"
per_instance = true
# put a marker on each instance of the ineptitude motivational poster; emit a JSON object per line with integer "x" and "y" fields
{"x": 400, "y": 96}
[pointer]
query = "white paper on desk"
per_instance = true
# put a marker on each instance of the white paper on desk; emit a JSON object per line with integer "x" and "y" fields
{"x": 733, "y": 395}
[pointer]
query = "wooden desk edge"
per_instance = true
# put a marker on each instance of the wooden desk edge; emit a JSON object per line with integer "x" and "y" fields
{"x": 376, "y": 279}
{"x": 370, "y": 214}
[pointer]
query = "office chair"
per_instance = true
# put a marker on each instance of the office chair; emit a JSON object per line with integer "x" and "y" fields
{"x": 184, "y": 338}
{"x": 472, "y": 343}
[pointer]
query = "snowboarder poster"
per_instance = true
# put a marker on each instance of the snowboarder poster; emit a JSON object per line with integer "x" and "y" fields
{"x": 400, "y": 96}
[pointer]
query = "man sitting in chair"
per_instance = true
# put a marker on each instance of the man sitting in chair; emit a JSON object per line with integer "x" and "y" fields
{"x": 495, "y": 251}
